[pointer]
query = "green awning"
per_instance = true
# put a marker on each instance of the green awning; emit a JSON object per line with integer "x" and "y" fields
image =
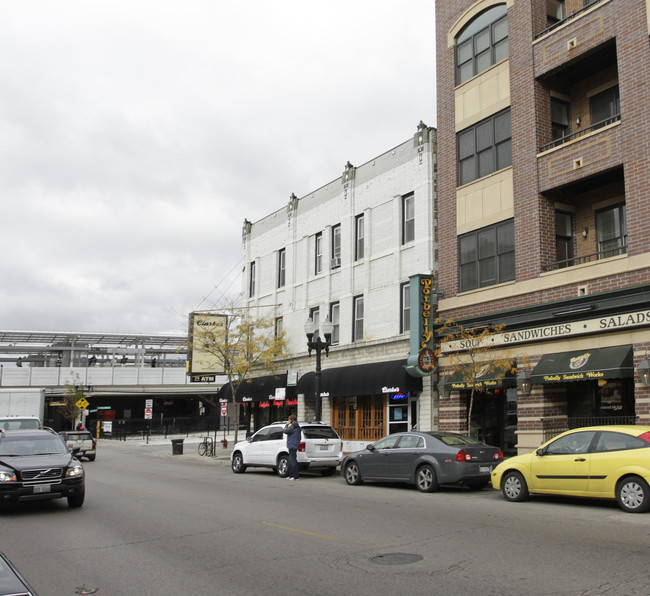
{"x": 500, "y": 377}
{"x": 585, "y": 365}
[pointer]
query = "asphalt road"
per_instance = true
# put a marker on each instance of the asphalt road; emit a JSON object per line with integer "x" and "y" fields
{"x": 157, "y": 524}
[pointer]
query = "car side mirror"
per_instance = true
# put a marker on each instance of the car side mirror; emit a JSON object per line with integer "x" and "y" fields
{"x": 75, "y": 450}
{"x": 370, "y": 447}
{"x": 541, "y": 452}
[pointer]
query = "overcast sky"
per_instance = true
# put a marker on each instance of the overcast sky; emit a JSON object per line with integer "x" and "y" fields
{"x": 136, "y": 136}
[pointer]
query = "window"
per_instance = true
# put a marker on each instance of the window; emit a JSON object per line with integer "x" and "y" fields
{"x": 611, "y": 226}
{"x": 357, "y": 321}
{"x": 613, "y": 441}
{"x": 569, "y": 444}
{"x": 314, "y": 315}
{"x": 282, "y": 261}
{"x": 482, "y": 43}
{"x": 336, "y": 246}
{"x": 335, "y": 318}
{"x": 408, "y": 218}
{"x": 359, "y": 238}
{"x": 487, "y": 256}
{"x": 564, "y": 239}
{"x": 251, "y": 280}
{"x": 277, "y": 328}
{"x": 405, "y": 307}
{"x": 484, "y": 148}
{"x": 318, "y": 253}
{"x": 604, "y": 107}
{"x": 560, "y": 118}
{"x": 554, "y": 11}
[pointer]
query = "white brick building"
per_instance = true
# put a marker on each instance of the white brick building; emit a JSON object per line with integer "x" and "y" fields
{"x": 347, "y": 251}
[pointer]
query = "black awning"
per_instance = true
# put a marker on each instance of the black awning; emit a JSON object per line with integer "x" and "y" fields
{"x": 362, "y": 379}
{"x": 502, "y": 376}
{"x": 254, "y": 390}
{"x": 585, "y": 365}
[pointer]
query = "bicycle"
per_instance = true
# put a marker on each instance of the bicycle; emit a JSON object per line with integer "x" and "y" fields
{"x": 206, "y": 447}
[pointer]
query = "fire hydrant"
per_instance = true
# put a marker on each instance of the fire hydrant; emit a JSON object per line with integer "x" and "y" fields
{"x": 224, "y": 443}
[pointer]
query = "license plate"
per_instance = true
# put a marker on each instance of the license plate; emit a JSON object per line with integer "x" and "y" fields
{"x": 42, "y": 488}
{"x": 324, "y": 447}
{"x": 485, "y": 469}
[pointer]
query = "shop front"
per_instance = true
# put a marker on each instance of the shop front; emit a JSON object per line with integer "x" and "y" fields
{"x": 261, "y": 400}
{"x": 368, "y": 401}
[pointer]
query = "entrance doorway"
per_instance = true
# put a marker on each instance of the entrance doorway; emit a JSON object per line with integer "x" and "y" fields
{"x": 494, "y": 418}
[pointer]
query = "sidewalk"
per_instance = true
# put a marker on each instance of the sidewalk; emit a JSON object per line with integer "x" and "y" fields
{"x": 190, "y": 446}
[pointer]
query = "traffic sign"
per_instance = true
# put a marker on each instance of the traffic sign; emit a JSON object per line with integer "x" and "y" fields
{"x": 82, "y": 404}
{"x": 224, "y": 409}
{"x": 148, "y": 413}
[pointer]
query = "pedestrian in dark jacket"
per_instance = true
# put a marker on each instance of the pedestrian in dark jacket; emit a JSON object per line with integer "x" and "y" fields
{"x": 293, "y": 432}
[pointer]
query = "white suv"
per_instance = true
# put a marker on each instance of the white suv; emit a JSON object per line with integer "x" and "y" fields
{"x": 320, "y": 448}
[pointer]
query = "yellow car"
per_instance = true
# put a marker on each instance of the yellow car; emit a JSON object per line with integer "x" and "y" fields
{"x": 601, "y": 462}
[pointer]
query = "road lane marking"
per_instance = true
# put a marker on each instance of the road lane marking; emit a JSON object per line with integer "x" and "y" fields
{"x": 299, "y": 531}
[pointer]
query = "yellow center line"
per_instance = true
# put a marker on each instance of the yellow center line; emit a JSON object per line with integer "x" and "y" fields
{"x": 300, "y": 531}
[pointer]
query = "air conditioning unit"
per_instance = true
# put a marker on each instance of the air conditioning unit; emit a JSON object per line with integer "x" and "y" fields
{"x": 336, "y": 262}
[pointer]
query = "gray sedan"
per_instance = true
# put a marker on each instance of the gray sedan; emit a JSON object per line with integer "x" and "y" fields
{"x": 426, "y": 459}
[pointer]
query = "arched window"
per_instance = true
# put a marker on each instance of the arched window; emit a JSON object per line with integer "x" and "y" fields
{"x": 482, "y": 43}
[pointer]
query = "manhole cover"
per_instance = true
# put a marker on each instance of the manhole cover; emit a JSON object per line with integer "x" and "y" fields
{"x": 396, "y": 559}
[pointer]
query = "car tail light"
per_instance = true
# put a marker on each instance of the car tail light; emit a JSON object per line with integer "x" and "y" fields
{"x": 645, "y": 437}
{"x": 302, "y": 447}
{"x": 498, "y": 455}
{"x": 462, "y": 456}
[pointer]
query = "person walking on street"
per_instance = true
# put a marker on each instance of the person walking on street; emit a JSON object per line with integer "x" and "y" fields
{"x": 293, "y": 432}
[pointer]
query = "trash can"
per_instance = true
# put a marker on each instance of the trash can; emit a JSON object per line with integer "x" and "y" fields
{"x": 177, "y": 446}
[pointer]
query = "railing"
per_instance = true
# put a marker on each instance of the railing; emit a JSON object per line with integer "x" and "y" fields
{"x": 596, "y": 256}
{"x": 579, "y": 133}
{"x": 566, "y": 19}
{"x": 553, "y": 426}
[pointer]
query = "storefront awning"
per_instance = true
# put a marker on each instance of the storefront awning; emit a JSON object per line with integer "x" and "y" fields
{"x": 585, "y": 365}
{"x": 502, "y": 376}
{"x": 362, "y": 379}
{"x": 254, "y": 390}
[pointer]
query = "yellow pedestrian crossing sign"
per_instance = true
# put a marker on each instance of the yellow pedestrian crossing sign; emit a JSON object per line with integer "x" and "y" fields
{"x": 83, "y": 403}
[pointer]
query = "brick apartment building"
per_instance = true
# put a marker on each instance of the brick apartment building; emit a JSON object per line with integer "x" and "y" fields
{"x": 349, "y": 252}
{"x": 544, "y": 209}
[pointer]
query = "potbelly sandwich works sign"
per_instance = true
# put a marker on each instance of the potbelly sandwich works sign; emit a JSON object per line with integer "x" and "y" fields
{"x": 206, "y": 331}
{"x": 423, "y": 307}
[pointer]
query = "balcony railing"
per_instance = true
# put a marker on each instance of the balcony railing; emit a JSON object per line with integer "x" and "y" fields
{"x": 579, "y": 133}
{"x": 566, "y": 19}
{"x": 596, "y": 256}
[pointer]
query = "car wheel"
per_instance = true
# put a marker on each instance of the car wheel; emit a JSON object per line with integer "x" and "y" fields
{"x": 514, "y": 487}
{"x": 91, "y": 457}
{"x": 478, "y": 484}
{"x": 425, "y": 479}
{"x": 76, "y": 500}
{"x": 283, "y": 466}
{"x": 328, "y": 471}
{"x": 237, "y": 465}
{"x": 352, "y": 474}
{"x": 633, "y": 494}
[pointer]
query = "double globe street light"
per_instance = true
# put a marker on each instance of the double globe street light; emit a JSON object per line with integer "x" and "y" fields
{"x": 317, "y": 344}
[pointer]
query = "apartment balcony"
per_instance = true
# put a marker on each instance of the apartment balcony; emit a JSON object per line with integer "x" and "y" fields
{"x": 575, "y": 37}
{"x": 582, "y": 155}
{"x": 582, "y": 259}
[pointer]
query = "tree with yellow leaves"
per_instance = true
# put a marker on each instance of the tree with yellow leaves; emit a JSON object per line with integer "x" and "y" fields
{"x": 472, "y": 356}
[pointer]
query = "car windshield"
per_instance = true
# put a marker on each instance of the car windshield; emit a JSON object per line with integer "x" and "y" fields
{"x": 47, "y": 445}
{"x": 20, "y": 423}
{"x": 319, "y": 432}
{"x": 453, "y": 440}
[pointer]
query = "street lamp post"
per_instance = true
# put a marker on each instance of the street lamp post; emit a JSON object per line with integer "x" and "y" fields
{"x": 318, "y": 345}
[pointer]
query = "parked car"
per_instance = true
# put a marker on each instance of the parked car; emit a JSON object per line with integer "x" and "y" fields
{"x": 320, "y": 449}
{"x": 83, "y": 440}
{"x": 603, "y": 462}
{"x": 12, "y": 583}
{"x": 37, "y": 464}
{"x": 426, "y": 459}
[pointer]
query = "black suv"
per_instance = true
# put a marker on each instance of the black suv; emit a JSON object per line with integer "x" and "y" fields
{"x": 37, "y": 465}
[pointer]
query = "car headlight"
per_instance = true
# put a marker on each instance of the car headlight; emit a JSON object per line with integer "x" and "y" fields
{"x": 7, "y": 476}
{"x": 74, "y": 471}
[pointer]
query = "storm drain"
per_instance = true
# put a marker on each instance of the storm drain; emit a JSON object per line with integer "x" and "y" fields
{"x": 396, "y": 559}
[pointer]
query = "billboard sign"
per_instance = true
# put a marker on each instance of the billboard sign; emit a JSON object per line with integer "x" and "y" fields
{"x": 206, "y": 330}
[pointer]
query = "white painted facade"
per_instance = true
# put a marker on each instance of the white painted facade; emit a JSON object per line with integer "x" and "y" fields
{"x": 376, "y": 191}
